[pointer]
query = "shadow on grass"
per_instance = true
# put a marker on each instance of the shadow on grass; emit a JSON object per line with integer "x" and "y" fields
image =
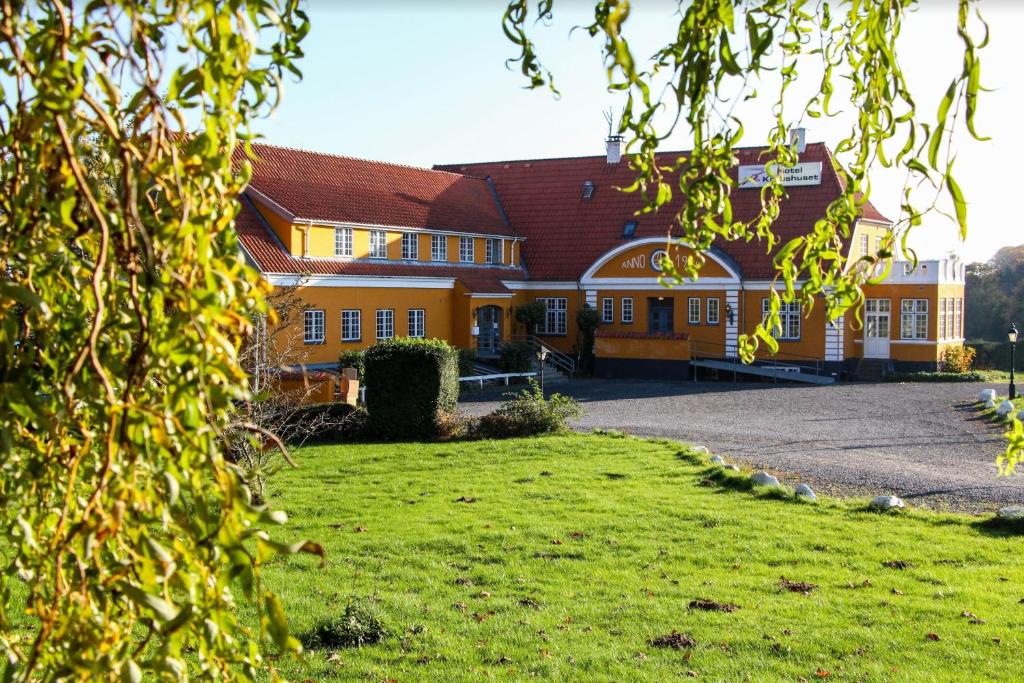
{"x": 1001, "y": 528}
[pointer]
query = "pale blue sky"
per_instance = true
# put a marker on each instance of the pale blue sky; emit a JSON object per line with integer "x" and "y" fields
{"x": 424, "y": 83}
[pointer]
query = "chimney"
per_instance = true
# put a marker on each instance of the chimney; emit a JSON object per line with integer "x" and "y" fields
{"x": 614, "y": 147}
{"x": 798, "y": 139}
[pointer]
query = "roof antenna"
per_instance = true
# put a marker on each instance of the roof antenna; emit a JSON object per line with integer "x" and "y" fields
{"x": 613, "y": 144}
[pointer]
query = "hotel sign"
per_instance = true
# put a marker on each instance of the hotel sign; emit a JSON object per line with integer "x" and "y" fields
{"x": 755, "y": 175}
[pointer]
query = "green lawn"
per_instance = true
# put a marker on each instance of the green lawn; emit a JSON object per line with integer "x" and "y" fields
{"x": 561, "y": 558}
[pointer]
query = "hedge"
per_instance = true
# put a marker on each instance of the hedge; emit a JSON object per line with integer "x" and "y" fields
{"x": 996, "y": 355}
{"x": 517, "y": 357}
{"x": 408, "y": 383}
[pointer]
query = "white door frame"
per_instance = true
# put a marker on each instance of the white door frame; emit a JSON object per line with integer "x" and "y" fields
{"x": 877, "y": 319}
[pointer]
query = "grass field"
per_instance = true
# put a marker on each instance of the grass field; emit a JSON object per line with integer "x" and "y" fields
{"x": 562, "y": 558}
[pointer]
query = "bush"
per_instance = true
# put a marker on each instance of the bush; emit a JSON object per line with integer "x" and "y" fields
{"x": 408, "y": 383}
{"x": 517, "y": 357}
{"x": 587, "y": 322}
{"x": 531, "y": 315}
{"x": 467, "y": 362}
{"x": 353, "y": 359}
{"x": 957, "y": 358}
{"x": 995, "y": 355}
{"x": 339, "y": 422}
{"x": 528, "y": 414}
{"x": 972, "y": 376}
{"x": 358, "y": 625}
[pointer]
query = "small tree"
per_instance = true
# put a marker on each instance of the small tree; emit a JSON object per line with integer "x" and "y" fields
{"x": 409, "y": 383}
{"x": 587, "y": 322}
{"x": 274, "y": 417}
{"x": 531, "y": 315}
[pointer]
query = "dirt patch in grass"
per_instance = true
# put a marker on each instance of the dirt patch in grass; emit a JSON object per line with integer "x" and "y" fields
{"x": 797, "y": 586}
{"x": 674, "y": 640}
{"x": 712, "y": 605}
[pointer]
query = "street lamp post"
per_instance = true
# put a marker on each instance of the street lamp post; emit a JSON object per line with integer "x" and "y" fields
{"x": 1012, "y": 335}
{"x": 542, "y": 356}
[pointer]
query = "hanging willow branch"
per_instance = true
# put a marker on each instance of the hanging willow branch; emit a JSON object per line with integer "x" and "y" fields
{"x": 721, "y": 50}
{"x": 124, "y": 300}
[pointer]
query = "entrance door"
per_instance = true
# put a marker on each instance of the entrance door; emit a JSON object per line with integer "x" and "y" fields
{"x": 488, "y": 319}
{"x": 877, "y": 316}
{"x": 659, "y": 315}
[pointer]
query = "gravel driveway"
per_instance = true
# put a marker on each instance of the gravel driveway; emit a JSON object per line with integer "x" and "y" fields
{"x": 922, "y": 442}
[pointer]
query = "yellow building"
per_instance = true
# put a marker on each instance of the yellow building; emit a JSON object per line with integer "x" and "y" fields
{"x": 381, "y": 250}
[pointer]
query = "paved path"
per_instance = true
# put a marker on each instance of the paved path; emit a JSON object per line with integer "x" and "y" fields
{"x": 920, "y": 441}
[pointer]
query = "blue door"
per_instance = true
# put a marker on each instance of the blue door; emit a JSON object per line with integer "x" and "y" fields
{"x": 659, "y": 315}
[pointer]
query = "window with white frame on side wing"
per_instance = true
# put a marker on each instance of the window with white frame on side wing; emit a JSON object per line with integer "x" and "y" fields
{"x": 466, "y": 251}
{"x": 438, "y": 248}
{"x": 385, "y": 323}
{"x": 417, "y": 322}
{"x": 410, "y": 246}
{"x": 343, "y": 242}
{"x": 351, "y": 325}
{"x": 313, "y": 326}
{"x": 627, "y": 309}
{"x": 378, "y": 244}
{"x": 555, "y": 319}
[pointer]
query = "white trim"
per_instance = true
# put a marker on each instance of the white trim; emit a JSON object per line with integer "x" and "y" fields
{"x": 478, "y": 295}
{"x": 591, "y": 273}
{"x": 383, "y": 281}
{"x": 517, "y": 285}
{"x": 702, "y": 283}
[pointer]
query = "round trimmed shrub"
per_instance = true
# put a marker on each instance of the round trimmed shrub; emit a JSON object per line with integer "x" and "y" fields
{"x": 409, "y": 382}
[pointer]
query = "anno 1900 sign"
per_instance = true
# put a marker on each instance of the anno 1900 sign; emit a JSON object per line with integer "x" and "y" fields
{"x": 755, "y": 175}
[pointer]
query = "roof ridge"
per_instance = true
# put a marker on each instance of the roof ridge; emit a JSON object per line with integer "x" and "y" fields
{"x": 440, "y": 167}
{"x": 363, "y": 160}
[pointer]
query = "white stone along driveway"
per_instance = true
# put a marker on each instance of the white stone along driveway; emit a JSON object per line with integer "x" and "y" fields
{"x": 922, "y": 442}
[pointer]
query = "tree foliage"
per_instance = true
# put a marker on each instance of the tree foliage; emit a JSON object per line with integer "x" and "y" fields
{"x": 994, "y": 295}
{"x": 721, "y": 51}
{"x": 721, "y": 54}
{"x": 127, "y": 535}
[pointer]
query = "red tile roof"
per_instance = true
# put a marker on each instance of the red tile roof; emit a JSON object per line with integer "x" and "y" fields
{"x": 325, "y": 187}
{"x": 271, "y": 257}
{"x": 565, "y": 233}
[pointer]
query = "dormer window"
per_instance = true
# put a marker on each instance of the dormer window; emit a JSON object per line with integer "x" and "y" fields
{"x": 629, "y": 229}
{"x": 588, "y": 189}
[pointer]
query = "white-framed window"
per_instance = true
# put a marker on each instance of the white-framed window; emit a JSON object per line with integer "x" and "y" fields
{"x": 607, "y": 310}
{"x": 789, "y": 316}
{"x": 863, "y": 245}
{"x": 878, "y": 244}
{"x": 943, "y": 319}
{"x": 417, "y": 322}
{"x": 410, "y": 246}
{"x": 556, "y": 320}
{"x": 313, "y": 326}
{"x": 351, "y": 325}
{"x": 694, "y": 310}
{"x": 343, "y": 241}
{"x": 385, "y": 323}
{"x": 438, "y": 248}
{"x": 466, "y": 250}
{"x": 958, "y": 325}
{"x": 378, "y": 244}
{"x": 627, "y": 309}
{"x": 713, "y": 310}
{"x": 914, "y": 318}
{"x": 494, "y": 251}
